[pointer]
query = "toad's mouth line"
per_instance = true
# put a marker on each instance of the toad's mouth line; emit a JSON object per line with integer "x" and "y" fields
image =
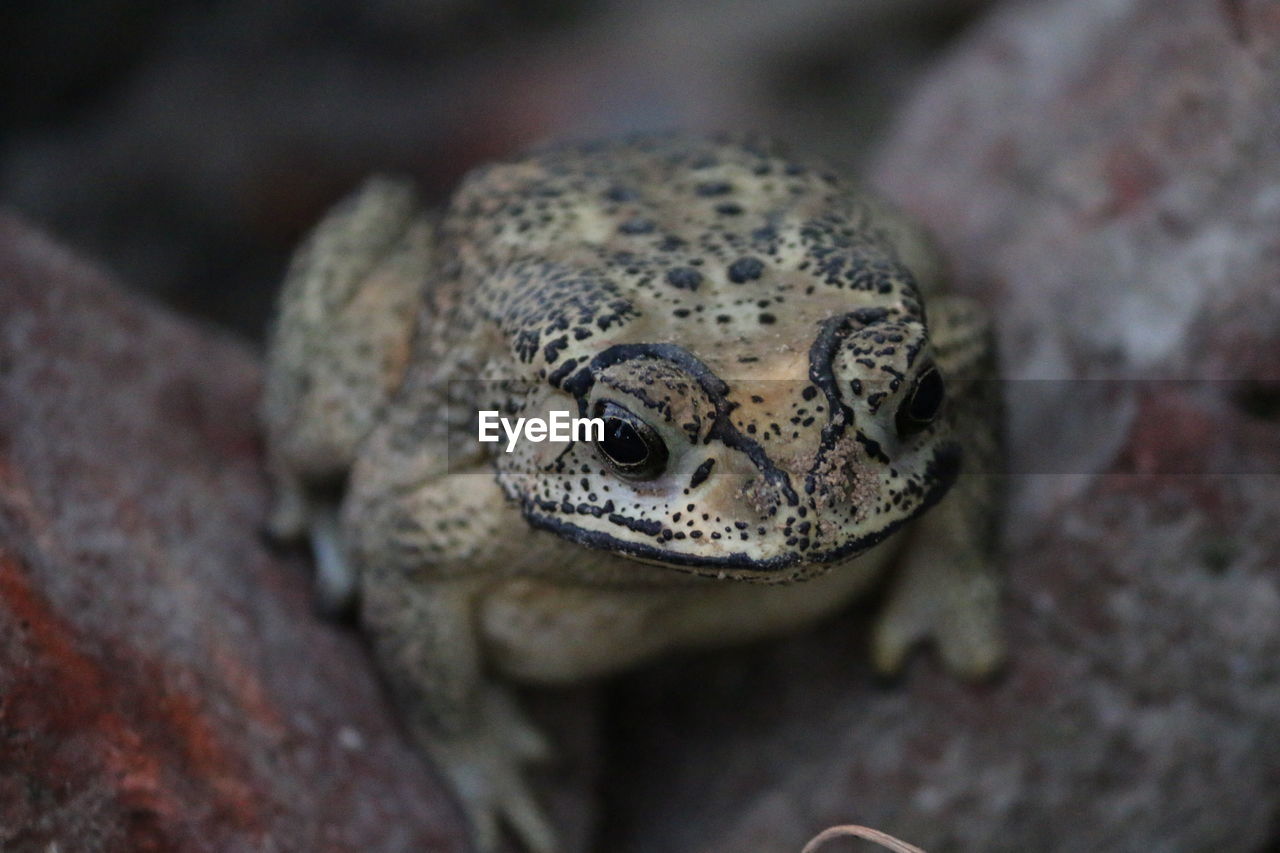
{"x": 941, "y": 471}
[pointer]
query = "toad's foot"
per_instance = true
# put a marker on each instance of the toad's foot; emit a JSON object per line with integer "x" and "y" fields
{"x": 950, "y": 597}
{"x": 484, "y": 765}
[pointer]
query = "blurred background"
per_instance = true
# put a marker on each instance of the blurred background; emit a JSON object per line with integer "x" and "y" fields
{"x": 188, "y": 145}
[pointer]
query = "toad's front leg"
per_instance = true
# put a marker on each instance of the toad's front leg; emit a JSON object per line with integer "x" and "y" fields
{"x": 425, "y": 639}
{"x": 948, "y": 586}
{"x": 429, "y": 541}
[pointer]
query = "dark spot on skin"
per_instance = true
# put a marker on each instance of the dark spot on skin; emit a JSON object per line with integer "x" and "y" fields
{"x": 723, "y": 318}
{"x": 729, "y": 208}
{"x": 700, "y": 475}
{"x": 713, "y": 188}
{"x": 809, "y": 393}
{"x": 867, "y": 316}
{"x": 745, "y": 269}
{"x": 648, "y": 527}
{"x": 552, "y": 350}
{"x": 558, "y": 375}
{"x": 637, "y": 226}
{"x": 621, "y": 194}
{"x": 767, "y": 319}
{"x": 685, "y": 278}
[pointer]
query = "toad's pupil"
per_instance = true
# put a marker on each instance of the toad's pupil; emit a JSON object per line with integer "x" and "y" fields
{"x": 623, "y": 444}
{"x": 927, "y": 398}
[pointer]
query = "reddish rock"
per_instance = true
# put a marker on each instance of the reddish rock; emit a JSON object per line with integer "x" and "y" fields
{"x": 164, "y": 682}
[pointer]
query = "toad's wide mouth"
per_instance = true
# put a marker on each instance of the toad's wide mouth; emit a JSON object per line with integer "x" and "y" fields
{"x": 941, "y": 472}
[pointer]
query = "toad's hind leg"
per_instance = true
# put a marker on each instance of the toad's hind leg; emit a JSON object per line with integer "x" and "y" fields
{"x": 336, "y": 354}
{"x": 948, "y": 585}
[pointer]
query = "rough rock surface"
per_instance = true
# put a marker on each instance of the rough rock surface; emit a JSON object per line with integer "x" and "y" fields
{"x": 164, "y": 682}
{"x": 1106, "y": 173}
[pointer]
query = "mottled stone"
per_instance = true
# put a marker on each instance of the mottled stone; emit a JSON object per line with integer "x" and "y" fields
{"x": 164, "y": 682}
{"x": 1106, "y": 174}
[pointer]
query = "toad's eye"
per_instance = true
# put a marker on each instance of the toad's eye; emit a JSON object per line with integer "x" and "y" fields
{"x": 630, "y": 447}
{"x": 921, "y": 406}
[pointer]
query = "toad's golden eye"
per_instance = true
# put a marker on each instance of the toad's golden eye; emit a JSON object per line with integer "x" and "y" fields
{"x": 921, "y": 406}
{"x": 631, "y": 447}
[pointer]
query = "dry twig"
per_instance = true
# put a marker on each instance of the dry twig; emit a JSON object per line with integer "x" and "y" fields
{"x": 878, "y": 837}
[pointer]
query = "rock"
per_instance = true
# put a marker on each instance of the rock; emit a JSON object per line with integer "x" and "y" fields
{"x": 164, "y": 682}
{"x": 1104, "y": 173}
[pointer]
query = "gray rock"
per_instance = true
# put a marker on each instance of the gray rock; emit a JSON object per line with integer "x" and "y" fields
{"x": 1107, "y": 174}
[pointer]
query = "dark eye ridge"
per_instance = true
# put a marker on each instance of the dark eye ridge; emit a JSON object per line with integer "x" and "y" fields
{"x": 630, "y": 447}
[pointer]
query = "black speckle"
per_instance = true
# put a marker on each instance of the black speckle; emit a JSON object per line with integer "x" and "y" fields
{"x": 552, "y": 350}
{"x": 809, "y": 393}
{"x": 646, "y": 526}
{"x": 867, "y": 316}
{"x": 729, "y": 208}
{"x": 621, "y": 194}
{"x": 700, "y": 475}
{"x": 713, "y": 188}
{"x": 723, "y": 318}
{"x": 685, "y": 278}
{"x": 745, "y": 269}
{"x": 767, "y": 319}
{"x": 639, "y": 225}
